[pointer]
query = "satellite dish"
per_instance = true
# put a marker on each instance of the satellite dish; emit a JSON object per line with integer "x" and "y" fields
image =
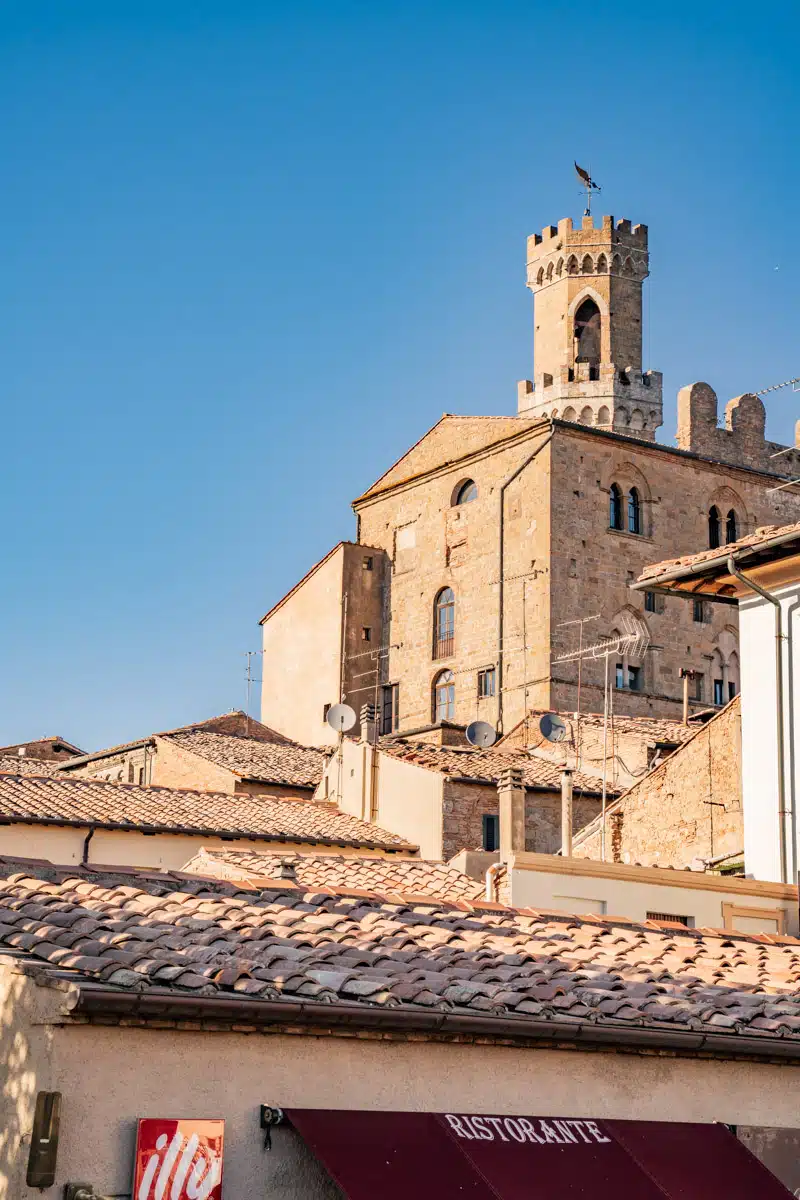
{"x": 481, "y": 733}
{"x": 552, "y": 727}
{"x": 341, "y": 717}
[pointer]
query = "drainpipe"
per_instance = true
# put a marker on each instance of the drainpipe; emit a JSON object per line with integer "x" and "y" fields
{"x": 765, "y": 595}
{"x": 501, "y": 563}
{"x": 86, "y": 840}
{"x": 492, "y": 874}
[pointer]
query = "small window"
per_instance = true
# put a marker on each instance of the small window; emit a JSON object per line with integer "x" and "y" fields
{"x": 635, "y": 679}
{"x": 491, "y": 831}
{"x": 467, "y": 492}
{"x": 615, "y": 506}
{"x": 444, "y": 617}
{"x": 698, "y": 611}
{"x": 444, "y": 697}
{"x": 713, "y": 528}
{"x": 366, "y": 633}
{"x": 731, "y": 690}
{"x": 486, "y": 683}
{"x": 698, "y": 685}
{"x": 673, "y": 918}
{"x": 620, "y": 676}
{"x": 634, "y": 511}
{"x": 367, "y": 562}
{"x": 130, "y": 771}
{"x": 141, "y": 774}
{"x": 326, "y": 708}
{"x": 650, "y": 602}
{"x": 730, "y": 527}
{"x": 390, "y": 708}
{"x": 719, "y": 692}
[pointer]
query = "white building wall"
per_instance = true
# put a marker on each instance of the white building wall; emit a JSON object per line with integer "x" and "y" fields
{"x": 760, "y": 736}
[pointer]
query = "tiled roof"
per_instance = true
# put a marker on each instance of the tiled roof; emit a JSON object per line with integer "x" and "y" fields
{"x": 485, "y": 766}
{"x": 173, "y": 935}
{"x": 753, "y": 540}
{"x": 65, "y": 799}
{"x": 20, "y": 764}
{"x": 45, "y": 748}
{"x": 649, "y": 729}
{"x": 266, "y": 762}
{"x": 387, "y": 874}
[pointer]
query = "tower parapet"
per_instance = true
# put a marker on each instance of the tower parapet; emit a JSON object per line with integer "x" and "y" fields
{"x": 588, "y": 327}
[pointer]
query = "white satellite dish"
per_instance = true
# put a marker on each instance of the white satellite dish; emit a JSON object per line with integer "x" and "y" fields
{"x": 481, "y": 733}
{"x": 341, "y": 717}
{"x": 552, "y": 727}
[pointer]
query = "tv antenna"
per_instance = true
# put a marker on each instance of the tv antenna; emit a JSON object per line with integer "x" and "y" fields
{"x": 633, "y": 642}
{"x": 589, "y": 186}
{"x": 481, "y": 734}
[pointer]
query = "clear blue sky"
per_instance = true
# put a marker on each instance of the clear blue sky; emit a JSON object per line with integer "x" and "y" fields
{"x": 250, "y": 252}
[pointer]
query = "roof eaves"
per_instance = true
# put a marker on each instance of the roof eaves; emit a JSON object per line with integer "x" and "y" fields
{"x": 711, "y": 566}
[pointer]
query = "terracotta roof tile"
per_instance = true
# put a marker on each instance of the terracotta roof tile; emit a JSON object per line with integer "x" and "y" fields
{"x": 249, "y": 758}
{"x": 284, "y": 942}
{"x": 385, "y": 874}
{"x": 19, "y": 764}
{"x": 65, "y": 799}
{"x": 764, "y": 534}
{"x": 486, "y": 765}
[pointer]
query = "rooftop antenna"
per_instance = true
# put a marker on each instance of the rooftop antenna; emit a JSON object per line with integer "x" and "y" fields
{"x": 589, "y": 186}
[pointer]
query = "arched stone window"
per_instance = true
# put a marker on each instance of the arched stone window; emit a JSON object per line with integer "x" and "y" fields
{"x": 628, "y": 267}
{"x": 615, "y": 506}
{"x": 621, "y": 418}
{"x": 731, "y": 533}
{"x": 540, "y": 277}
{"x": 586, "y": 415}
{"x": 572, "y": 265}
{"x": 569, "y": 413}
{"x": 587, "y": 266}
{"x": 560, "y": 267}
{"x": 466, "y": 492}
{"x": 602, "y": 265}
{"x": 604, "y": 417}
{"x": 714, "y": 534}
{"x": 637, "y": 419}
{"x": 634, "y": 511}
{"x": 616, "y": 265}
{"x": 587, "y": 332}
{"x": 444, "y": 623}
{"x": 549, "y": 272}
{"x": 444, "y": 696}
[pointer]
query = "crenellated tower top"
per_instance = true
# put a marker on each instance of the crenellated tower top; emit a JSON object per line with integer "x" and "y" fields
{"x": 588, "y": 327}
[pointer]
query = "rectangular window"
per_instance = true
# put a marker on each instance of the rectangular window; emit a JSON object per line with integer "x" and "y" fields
{"x": 366, "y": 633}
{"x": 491, "y": 831}
{"x": 486, "y": 683}
{"x": 141, "y": 774}
{"x": 698, "y": 611}
{"x": 620, "y": 676}
{"x": 649, "y": 602}
{"x": 635, "y": 679}
{"x": 367, "y": 563}
{"x": 390, "y": 708}
{"x": 326, "y": 708}
{"x": 719, "y": 695}
{"x": 731, "y": 690}
{"x": 698, "y": 685}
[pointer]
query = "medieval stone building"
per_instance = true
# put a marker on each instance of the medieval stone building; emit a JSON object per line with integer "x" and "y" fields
{"x": 485, "y": 543}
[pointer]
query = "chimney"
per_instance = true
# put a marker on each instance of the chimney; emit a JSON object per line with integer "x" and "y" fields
{"x": 287, "y": 870}
{"x": 369, "y": 724}
{"x": 511, "y": 797}
{"x": 566, "y": 813}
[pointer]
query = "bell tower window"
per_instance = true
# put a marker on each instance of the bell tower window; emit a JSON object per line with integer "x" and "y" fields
{"x": 587, "y": 333}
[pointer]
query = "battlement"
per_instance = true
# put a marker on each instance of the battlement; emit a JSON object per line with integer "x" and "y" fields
{"x": 607, "y": 234}
{"x": 740, "y": 440}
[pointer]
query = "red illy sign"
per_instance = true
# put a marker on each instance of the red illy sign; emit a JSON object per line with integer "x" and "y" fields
{"x": 178, "y": 1160}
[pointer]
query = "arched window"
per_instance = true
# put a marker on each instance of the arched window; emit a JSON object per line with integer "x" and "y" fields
{"x": 587, "y": 266}
{"x": 572, "y": 265}
{"x": 444, "y": 696}
{"x": 713, "y": 528}
{"x": 467, "y": 492}
{"x": 560, "y": 267}
{"x": 602, "y": 265}
{"x": 604, "y": 417}
{"x": 444, "y": 623}
{"x": 549, "y": 272}
{"x": 586, "y": 415}
{"x": 540, "y": 276}
{"x": 634, "y": 511}
{"x": 615, "y": 506}
{"x": 730, "y": 527}
{"x": 569, "y": 413}
{"x": 587, "y": 332}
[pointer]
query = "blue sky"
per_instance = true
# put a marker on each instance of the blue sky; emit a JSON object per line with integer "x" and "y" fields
{"x": 249, "y": 252}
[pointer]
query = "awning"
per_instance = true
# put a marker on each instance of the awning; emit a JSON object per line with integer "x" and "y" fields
{"x": 457, "y": 1156}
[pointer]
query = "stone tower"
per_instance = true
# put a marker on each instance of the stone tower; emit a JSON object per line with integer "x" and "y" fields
{"x": 588, "y": 328}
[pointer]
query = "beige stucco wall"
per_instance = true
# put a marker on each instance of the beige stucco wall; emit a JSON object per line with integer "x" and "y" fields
{"x": 587, "y": 886}
{"x": 166, "y": 851}
{"x": 109, "y": 1076}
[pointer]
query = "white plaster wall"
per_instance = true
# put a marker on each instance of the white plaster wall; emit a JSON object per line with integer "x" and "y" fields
{"x": 759, "y": 732}
{"x": 630, "y": 898}
{"x": 109, "y": 1076}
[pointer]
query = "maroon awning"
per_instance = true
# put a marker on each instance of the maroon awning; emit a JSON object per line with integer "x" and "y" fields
{"x": 455, "y": 1156}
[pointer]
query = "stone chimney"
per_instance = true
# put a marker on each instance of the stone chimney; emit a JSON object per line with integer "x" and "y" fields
{"x": 369, "y": 724}
{"x": 511, "y": 797}
{"x": 287, "y": 870}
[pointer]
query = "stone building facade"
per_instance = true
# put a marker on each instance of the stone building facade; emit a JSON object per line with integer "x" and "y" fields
{"x": 493, "y": 536}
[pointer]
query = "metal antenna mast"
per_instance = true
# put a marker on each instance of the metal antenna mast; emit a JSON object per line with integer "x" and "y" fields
{"x": 589, "y": 186}
{"x": 580, "y": 622}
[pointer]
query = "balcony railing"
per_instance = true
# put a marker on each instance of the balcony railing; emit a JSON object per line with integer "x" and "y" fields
{"x": 444, "y": 647}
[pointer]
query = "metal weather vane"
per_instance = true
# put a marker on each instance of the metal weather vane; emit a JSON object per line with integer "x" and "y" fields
{"x": 589, "y": 186}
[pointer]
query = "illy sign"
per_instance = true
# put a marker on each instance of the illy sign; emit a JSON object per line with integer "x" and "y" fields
{"x": 178, "y": 1160}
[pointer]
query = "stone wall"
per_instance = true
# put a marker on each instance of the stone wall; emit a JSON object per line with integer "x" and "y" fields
{"x": 689, "y": 807}
{"x": 740, "y": 440}
{"x": 464, "y": 805}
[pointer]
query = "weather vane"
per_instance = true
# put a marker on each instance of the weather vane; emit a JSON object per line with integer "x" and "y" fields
{"x": 589, "y": 186}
